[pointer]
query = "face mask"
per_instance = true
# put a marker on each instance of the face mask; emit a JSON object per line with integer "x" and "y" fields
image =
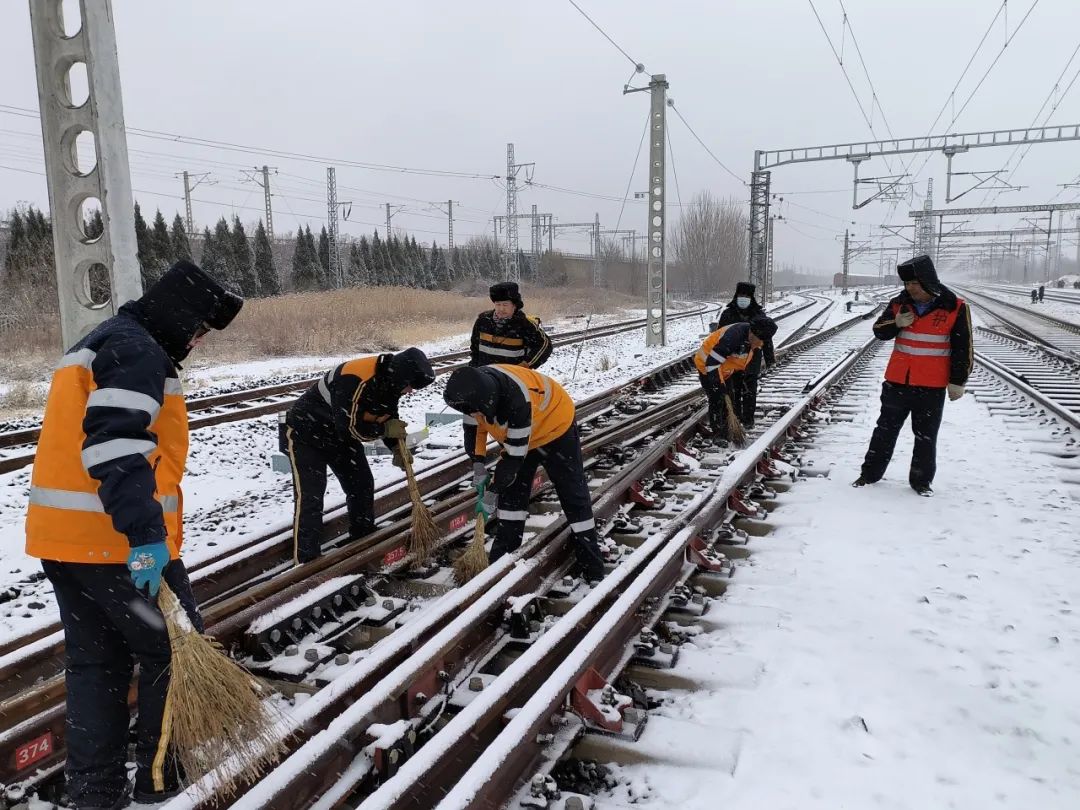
{"x": 742, "y": 302}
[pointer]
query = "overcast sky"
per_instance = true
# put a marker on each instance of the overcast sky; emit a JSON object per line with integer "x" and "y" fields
{"x": 439, "y": 85}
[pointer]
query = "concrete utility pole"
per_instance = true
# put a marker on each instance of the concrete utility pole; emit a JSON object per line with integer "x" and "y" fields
{"x": 332, "y": 226}
{"x": 656, "y": 267}
{"x": 388, "y": 222}
{"x": 189, "y": 222}
{"x": 266, "y": 201}
{"x": 73, "y": 185}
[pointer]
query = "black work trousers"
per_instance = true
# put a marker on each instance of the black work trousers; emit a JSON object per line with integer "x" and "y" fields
{"x": 561, "y": 460}
{"x": 925, "y": 406}
{"x": 310, "y": 460}
{"x": 715, "y": 390}
{"x": 109, "y": 625}
{"x": 742, "y": 385}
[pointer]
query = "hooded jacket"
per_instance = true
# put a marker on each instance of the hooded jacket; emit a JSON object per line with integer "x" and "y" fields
{"x": 114, "y": 438}
{"x": 918, "y": 361}
{"x": 353, "y": 401}
{"x": 518, "y": 340}
{"x": 732, "y": 313}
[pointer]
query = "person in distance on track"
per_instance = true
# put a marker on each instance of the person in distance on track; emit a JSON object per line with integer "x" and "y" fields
{"x": 1042, "y": 292}
{"x": 105, "y": 491}
{"x": 1034, "y": 296}
{"x": 327, "y": 426}
{"x": 932, "y": 354}
{"x": 505, "y": 334}
{"x": 728, "y": 350}
{"x": 743, "y": 385}
{"x": 532, "y": 417}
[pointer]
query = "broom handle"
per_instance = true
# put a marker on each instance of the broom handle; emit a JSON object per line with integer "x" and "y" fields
{"x": 406, "y": 457}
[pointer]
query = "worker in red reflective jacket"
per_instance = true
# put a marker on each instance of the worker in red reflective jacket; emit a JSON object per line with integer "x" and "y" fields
{"x": 932, "y": 354}
{"x": 105, "y": 518}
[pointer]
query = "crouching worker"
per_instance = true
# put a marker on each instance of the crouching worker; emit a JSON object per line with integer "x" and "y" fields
{"x": 725, "y": 352}
{"x": 105, "y": 491}
{"x": 532, "y": 417}
{"x": 327, "y": 426}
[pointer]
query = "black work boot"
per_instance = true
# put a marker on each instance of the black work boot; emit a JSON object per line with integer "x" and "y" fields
{"x": 923, "y": 489}
{"x": 860, "y": 482}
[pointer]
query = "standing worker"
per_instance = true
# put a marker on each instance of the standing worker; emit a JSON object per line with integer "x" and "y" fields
{"x": 105, "y": 491}
{"x": 1042, "y": 292}
{"x": 743, "y": 385}
{"x": 327, "y": 426}
{"x": 1034, "y": 296}
{"x": 505, "y": 334}
{"x": 532, "y": 417}
{"x": 724, "y": 353}
{"x": 932, "y": 354}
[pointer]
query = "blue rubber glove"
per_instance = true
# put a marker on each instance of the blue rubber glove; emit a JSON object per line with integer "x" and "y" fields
{"x": 146, "y": 564}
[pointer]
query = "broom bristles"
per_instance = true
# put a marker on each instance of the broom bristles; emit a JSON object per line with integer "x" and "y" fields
{"x": 735, "y": 430}
{"x": 216, "y": 710}
{"x": 425, "y": 533}
{"x": 475, "y": 558}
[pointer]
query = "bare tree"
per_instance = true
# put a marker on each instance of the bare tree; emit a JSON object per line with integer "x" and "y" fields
{"x": 710, "y": 241}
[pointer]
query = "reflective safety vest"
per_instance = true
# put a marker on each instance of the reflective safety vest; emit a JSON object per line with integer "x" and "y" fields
{"x": 66, "y": 520}
{"x": 921, "y": 352}
{"x": 552, "y": 413}
{"x": 707, "y": 360}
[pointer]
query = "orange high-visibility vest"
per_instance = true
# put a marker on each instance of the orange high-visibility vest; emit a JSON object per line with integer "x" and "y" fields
{"x": 552, "y": 409}
{"x": 66, "y": 520}
{"x": 921, "y": 351}
{"x": 732, "y": 362}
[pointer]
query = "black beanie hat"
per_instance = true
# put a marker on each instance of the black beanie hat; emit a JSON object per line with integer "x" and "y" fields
{"x": 921, "y": 269}
{"x": 745, "y": 288}
{"x": 178, "y": 304}
{"x": 506, "y": 291}
{"x": 763, "y": 327}
{"x": 411, "y": 368}
{"x": 470, "y": 390}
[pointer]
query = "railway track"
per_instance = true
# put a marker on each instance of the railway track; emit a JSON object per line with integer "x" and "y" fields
{"x": 237, "y": 586}
{"x": 474, "y": 680}
{"x": 16, "y": 446}
{"x": 1054, "y": 333}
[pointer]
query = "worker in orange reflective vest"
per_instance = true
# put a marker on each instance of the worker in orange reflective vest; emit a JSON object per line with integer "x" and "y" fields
{"x": 725, "y": 352}
{"x": 105, "y": 518}
{"x": 532, "y": 417}
{"x": 932, "y": 355}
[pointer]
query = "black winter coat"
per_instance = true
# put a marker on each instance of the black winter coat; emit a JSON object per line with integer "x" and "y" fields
{"x": 517, "y": 341}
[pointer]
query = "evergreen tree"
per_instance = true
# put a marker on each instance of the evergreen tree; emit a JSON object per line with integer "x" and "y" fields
{"x": 311, "y": 252}
{"x": 144, "y": 250}
{"x": 324, "y": 254}
{"x": 16, "y": 245}
{"x": 180, "y": 248}
{"x": 265, "y": 272}
{"x": 365, "y": 262}
{"x": 243, "y": 265}
{"x": 95, "y": 226}
{"x": 212, "y": 259}
{"x": 161, "y": 244}
{"x": 357, "y": 271}
{"x": 224, "y": 245}
{"x": 377, "y": 266}
{"x": 305, "y": 263}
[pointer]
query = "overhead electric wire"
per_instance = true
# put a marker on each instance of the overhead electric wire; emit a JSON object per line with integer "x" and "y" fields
{"x": 637, "y": 65}
{"x": 280, "y": 153}
{"x": 721, "y": 163}
{"x": 633, "y": 171}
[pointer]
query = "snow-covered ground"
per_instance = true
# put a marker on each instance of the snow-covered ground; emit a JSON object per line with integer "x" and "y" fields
{"x": 882, "y": 650}
{"x": 230, "y": 492}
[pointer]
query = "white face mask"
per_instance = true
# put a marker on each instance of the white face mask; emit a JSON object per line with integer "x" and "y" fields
{"x": 742, "y": 302}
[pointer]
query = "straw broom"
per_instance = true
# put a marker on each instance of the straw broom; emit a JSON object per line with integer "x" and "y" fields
{"x": 214, "y": 708}
{"x": 735, "y": 430}
{"x": 424, "y": 533}
{"x": 475, "y": 558}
